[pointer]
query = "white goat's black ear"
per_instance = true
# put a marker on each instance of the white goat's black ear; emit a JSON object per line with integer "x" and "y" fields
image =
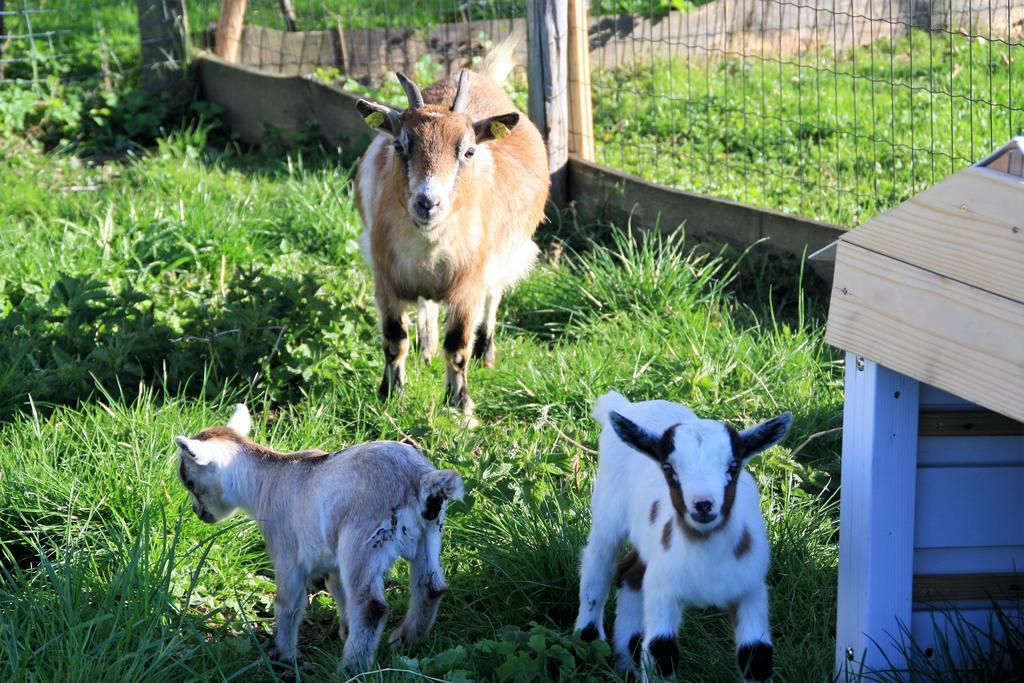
{"x": 379, "y": 116}
{"x": 201, "y": 452}
{"x": 495, "y": 127}
{"x": 183, "y": 442}
{"x": 752, "y": 441}
{"x": 636, "y": 436}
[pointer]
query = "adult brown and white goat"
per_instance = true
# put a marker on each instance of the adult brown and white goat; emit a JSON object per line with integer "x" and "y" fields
{"x": 450, "y": 195}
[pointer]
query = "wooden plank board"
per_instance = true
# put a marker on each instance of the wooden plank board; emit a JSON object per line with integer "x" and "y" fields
{"x": 229, "y": 29}
{"x": 969, "y": 227}
{"x": 935, "y": 588}
{"x": 967, "y": 423}
{"x": 600, "y": 193}
{"x": 959, "y": 507}
{"x": 929, "y": 327}
{"x": 933, "y": 398}
{"x": 934, "y": 629}
{"x": 581, "y": 115}
{"x": 876, "y": 514}
{"x": 993, "y": 558}
{"x": 548, "y": 49}
{"x": 971, "y": 451}
{"x": 288, "y": 103}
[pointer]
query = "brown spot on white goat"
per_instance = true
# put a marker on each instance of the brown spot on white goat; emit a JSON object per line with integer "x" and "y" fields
{"x": 743, "y": 547}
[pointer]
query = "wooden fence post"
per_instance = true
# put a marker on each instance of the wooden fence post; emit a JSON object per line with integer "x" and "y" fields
{"x": 581, "y": 114}
{"x": 163, "y": 39}
{"x": 291, "y": 20}
{"x": 228, "y": 44}
{"x": 547, "y": 29}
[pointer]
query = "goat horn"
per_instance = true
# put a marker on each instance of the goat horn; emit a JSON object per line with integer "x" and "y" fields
{"x": 461, "y": 94}
{"x": 411, "y": 91}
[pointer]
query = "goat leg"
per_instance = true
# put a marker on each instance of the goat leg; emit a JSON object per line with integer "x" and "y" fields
{"x": 395, "y": 344}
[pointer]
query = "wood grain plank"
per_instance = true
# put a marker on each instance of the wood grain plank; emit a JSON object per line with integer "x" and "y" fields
{"x": 967, "y": 423}
{"x": 939, "y": 331}
{"x": 946, "y": 587}
{"x": 548, "y": 48}
{"x": 969, "y": 227}
{"x": 581, "y": 115}
{"x": 600, "y": 193}
{"x": 229, "y": 29}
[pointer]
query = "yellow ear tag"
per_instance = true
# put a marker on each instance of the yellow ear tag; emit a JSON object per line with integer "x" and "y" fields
{"x": 499, "y": 130}
{"x": 374, "y": 119}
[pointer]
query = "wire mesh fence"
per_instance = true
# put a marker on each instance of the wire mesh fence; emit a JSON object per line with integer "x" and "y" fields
{"x": 359, "y": 44}
{"x": 47, "y": 41}
{"x": 832, "y": 109}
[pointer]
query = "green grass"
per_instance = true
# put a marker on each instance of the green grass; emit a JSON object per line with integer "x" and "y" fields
{"x": 838, "y": 137}
{"x": 140, "y": 299}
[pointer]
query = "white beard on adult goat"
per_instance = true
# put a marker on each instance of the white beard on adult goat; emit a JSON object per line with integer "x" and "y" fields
{"x": 676, "y": 487}
{"x": 450, "y": 194}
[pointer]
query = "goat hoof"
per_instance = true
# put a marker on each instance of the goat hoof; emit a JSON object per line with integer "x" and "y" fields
{"x": 387, "y": 389}
{"x": 399, "y": 640}
{"x": 589, "y": 633}
{"x": 277, "y": 657}
{"x": 755, "y": 661}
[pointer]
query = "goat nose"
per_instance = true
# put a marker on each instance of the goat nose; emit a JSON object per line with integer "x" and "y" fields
{"x": 703, "y": 507}
{"x": 425, "y": 203}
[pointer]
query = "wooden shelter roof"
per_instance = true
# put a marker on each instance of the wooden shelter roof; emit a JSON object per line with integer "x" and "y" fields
{"x": 934, "y": 288}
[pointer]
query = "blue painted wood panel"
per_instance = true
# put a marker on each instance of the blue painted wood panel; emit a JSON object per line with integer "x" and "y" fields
{"x": 969, "y": 506}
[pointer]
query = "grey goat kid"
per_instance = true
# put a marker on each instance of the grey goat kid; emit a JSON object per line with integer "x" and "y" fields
{"x": 346, "y": 515}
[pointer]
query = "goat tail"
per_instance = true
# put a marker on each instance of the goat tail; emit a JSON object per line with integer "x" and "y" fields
{"x": 500, "y": 61}
{"x": 606, "y": 403}
{"x": 437, "y": 486}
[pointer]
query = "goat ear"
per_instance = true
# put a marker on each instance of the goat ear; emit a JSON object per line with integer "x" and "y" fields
{"x": 379, "y": 116}
{"x": 200, "y": 452}
{"x": 754, "y": 440}
{"x": 240, "y": 420}
{"x": 637, "y": 437}
{"x": 495, "y": 127}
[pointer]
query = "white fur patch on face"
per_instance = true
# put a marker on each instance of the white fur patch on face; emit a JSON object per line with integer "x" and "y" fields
{"x": 701, "y": 459}
{"x": 436, "y": 188}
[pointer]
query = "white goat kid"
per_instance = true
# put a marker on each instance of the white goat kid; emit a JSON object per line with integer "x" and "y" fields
{"x": 346, "y": 515}
{"x": 691, "y": 512}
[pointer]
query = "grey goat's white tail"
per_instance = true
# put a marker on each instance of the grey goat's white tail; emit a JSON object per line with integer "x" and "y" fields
{"x": 606, "y": 403}
{"x": 500, "y": 61}
{"x": 436, "y": 487}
